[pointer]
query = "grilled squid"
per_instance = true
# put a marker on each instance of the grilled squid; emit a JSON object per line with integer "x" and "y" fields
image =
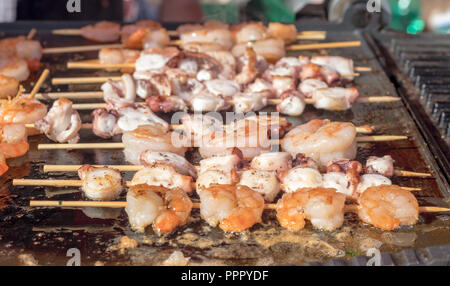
{"x": 62, "y": 123}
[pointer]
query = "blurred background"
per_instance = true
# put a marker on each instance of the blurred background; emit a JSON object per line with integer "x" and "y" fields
{"x": 410, "y": 16}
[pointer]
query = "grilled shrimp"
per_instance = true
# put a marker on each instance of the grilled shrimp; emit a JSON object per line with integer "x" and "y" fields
{"x": 251, "y": 139}
{"x": 13, "y": 140}
{"x": 3, "y": 167}
{"x": 162, "y": 175}
{"x": 388, "y": 207}
{"x": 8, "y": 87}
{"x": 178, "y": 207}
{"x": 249, "y": 32}
{"x": 219, "y": 36}
{"x": 287, "y": 33}
{"x": 323, "y": 207}
{"x": 13, "y": 150}
{"x": 322, "y": 140}
{"x": 117, "y": 56}
{"x": 22, "y": 110}
{"x": 151, "y": 138}
{"x": 164, "y": 208}
{"x": 21, "y": 48}
{"x": 143, "y": 206}
{"x": 263, "y": 182}
{"x": 234, "y": 208}
{"x": 103, "y": 32}
{"x": 14, "y": 68}
{"x": 100, "y": 184}
{"x": 179, "y": 163}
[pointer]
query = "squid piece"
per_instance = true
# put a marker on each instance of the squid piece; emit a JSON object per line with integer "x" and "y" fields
{"x": 163, "y": 175}
{"x": 62, "y": 122}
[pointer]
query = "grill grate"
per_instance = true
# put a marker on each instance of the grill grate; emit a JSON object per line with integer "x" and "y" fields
{"x": 427, "y": 64}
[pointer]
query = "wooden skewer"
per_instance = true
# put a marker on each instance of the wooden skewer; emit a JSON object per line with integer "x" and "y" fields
{"x": 304, "y": 35}
{"x": 122, "y": 204}
{"x": 323, "y": 46}
{"x": 95, "y": 64}
{"x": 79, "y": 183}
{"x": 276, "y": 101}
{"x": 119, "y": 145}
{"x": 365, "y": 129}
{"x": 38, "y": 84}
{"x": 135, "y": 168}
{"x": 402, "y": 173}
{"x": 82, "y": 80}
{"x": 363, "y": 69}
{"x": 70, "y": 95}
{"x": 31, "y": 34}
{"x": 67, "y": 32}
{"x": 74, "y": 49}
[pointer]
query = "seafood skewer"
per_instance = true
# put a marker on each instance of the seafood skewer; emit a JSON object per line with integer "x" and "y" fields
{"x": 135, "y": 168}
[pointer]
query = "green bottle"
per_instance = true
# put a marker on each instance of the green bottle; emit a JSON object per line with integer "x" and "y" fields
{"x": 406, "y": 16}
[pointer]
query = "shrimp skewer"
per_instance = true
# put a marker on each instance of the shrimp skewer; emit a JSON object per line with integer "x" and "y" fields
{"x": 238, "y": 208}
{"x": 163, "y": 208}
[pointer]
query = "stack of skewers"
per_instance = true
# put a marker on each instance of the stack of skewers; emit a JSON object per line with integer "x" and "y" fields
{"x": 218, "y": 68}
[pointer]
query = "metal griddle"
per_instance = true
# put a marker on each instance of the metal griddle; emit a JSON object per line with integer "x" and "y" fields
{"x": 48, "y": 233}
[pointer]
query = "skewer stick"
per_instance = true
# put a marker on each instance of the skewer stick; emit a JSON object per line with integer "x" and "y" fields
{"x": 323, "y": 46}
{"x": 31, "y": 34}
{"x": 276, "y": 101}
{"x": 402, "y": 173}
{"x": 70, "y": 95}
{"x": 300, "y": 47}
{"x": 79, "y": 183}
{"x": 119, "y": 145}
{"x": 303, "y": 35}
{"x": 95, "y": 64}
{"x": 74, "y": 49}
{"x": 365, "y": 129}
{"x": 38, "y": 84}
{"x": 81, "y": 80}
{"x": 122, "y": 204}
{"x": 363, "y": 69}
{"x": 135, "y": 168}
{"x": 67, "y": 32}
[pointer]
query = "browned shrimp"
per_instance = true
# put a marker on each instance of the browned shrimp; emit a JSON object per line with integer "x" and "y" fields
{"x": 3, "y": 167}
{"x": 323, "y": 207}
{"x": 388, "y": 207}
